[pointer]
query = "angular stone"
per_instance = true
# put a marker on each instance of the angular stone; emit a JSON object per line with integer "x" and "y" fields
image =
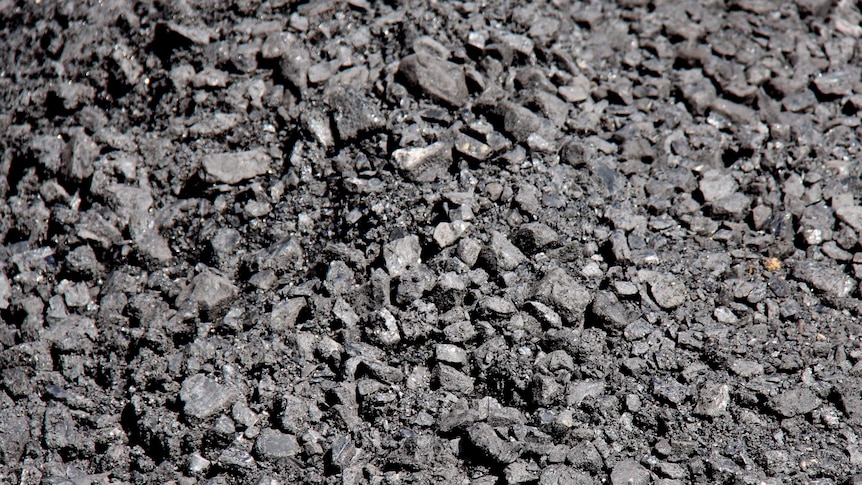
{"x": 284, "y": 314}
{"x": 533, "y": 237}
{"x": 215, "y": 124}
{"x": 712, "y": 399}
{"x": 471, "y": 147}
{"x": 669, "y": 390}
{"x": 353, "y": 113}
{"x": 202, "y": 396}
{"x": 519, "y": 472}
{"x": 425, "y": 164}
{"x": 564, "y": 294}
{"x": 629, "y": 472}
{"x": 852, "y": 216}
{"x": 401, "y": 254}
{"x": 501, "y": 255}
{"x": 485, "y": 440}
{"x": 232, "y": 168}
{"x": 518, "y": 121}
{"x": 450, "y": 354}
{"x": 208, "y": 290}
{"x": 611, "y": 314}
{"x": 294, "y": 67}
{"x": 436, "y": 78}
{"x": 451, "y": 379}
{"x": 716, "y": 185}
{"x": 794, "y": 402}
{"x": 79, "y": 155}
{"x": 668, "y": 291}
{"x": 564, "y": 475}
{"x": 828, "y": 279}
{"x": 274, "y": 446}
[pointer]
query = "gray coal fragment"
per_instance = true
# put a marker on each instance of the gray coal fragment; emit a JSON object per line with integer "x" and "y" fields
{"x": 353, "y": 113}
{"x": 629, "y": 472}
{"x": 501, "y": 255}
{"x": 795, "y": 402}
{"x": 485, "y": 440}
{"x": 712, "y": 399}
{"x": 564, "y": 294}
{"x": 274, "y": 446}
{"x": 436, "y": 78}
{"x": 424, "y": 164}
{"x": 202, "y": 396}
{"x": 208, "y": 290}
{"x": 232, "y": 168}
{"x": 667, "y": 290}
{"x": 79, "y": 155}
{"x": 564, "y": 475}
{"x": 294, "y": 67}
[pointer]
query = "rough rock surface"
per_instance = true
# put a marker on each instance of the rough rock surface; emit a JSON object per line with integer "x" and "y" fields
{"x": 411, "y": 242}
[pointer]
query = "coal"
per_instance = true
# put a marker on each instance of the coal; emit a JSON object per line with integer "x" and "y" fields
{"x": 439, "y": 79}
{"x": 490, "y": 243}
{"x": 232, "y": 168}
{"x": 202, "y": 396}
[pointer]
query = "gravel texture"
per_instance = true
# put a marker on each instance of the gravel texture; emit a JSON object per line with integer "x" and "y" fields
{"x": 410, "y": 242}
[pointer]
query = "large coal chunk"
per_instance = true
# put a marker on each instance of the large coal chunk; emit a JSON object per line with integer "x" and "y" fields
{"x": 436, "y": 78}
{"x": 353, "y": 113}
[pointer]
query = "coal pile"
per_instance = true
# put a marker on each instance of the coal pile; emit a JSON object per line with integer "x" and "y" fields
{"x": 412, "y": 242}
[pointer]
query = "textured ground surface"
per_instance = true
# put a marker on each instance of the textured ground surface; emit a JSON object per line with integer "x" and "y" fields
{"x": 491, "y": 242}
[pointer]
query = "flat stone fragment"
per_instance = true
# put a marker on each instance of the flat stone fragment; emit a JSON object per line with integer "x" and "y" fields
{"x": 852, "y": 216}
{"x": 451, "y": 379}
{"x": 450, "y": 354}
{"x": 668, "y": 291}
{"x": 629, "y": 472}
{"x": 533, "y": 237}
{"x": 438, "y": 79}
{"x": 215, "y": 124}
{"x": 837, "y": 83}
{"x": 202, "y": 396}
{"x": 563, "y": 475}
{"x": 471, "y": 147}
{"x": 828, "y": 279}
{"x": 795, "y": 402}
{"x": 485, "y": 440}
{"x": 425, "y": 164}
{"x": 712, "y": 400}
{"x": 232, "y": 168}
{"x": 273, "y": 445}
